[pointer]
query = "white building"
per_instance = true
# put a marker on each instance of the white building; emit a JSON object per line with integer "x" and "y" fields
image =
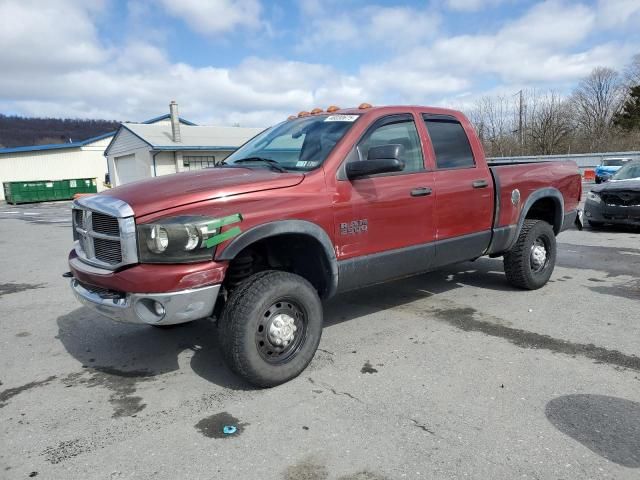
{"x": 139, "y": 151}
{"x": 83, "y": 159}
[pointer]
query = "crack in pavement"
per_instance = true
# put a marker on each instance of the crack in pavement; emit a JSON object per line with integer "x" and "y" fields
{"x": 334, "y": 391}
{"x": 422, "y": 427}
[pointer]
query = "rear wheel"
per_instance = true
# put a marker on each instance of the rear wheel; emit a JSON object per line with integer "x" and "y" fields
{"x": 271, "y": 327}
{"x": 530, "y": 262}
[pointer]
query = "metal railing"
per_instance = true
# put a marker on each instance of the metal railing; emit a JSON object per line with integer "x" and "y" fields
{"x": 584, "y": 160}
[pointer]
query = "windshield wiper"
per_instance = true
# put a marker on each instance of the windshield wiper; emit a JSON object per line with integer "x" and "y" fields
{"x": 272, "y": 164}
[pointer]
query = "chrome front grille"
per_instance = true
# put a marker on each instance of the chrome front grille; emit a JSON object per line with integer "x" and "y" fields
{"x": 78, "y": 220}
{"x": 109, "y": 251}
{"x": 105, "y": 224}
{"x": 104, "y": 230}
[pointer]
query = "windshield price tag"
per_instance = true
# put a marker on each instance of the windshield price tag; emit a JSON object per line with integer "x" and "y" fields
{"x": 341, "y": 118}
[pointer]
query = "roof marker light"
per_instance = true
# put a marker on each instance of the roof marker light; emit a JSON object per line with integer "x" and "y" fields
{"x": 304, "y": 114}
{"x": 364, "y": 105}
{"x": 315, "y": 111}
{"x": 332, "y": 108}
{"x": 291, "y": 117}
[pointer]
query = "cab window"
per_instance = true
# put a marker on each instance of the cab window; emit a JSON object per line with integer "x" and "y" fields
{"x": 395, "y": 131}
{"x": 450, "y": 142}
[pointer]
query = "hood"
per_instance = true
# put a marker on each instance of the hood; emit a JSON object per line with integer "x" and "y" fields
{"x": 160, "y": 193}
{"x": 617, "y": 185}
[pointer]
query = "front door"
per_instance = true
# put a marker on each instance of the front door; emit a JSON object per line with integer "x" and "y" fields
{"x": 384, "y": 222}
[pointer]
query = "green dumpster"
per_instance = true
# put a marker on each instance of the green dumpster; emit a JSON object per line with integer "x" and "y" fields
{"x": 47, "y": 190}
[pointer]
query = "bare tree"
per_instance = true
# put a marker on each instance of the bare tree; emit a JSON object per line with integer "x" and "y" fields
{"x": 549, "y": 123}
{"x": 493, "y": 119}
{"x": 595, "y": 101}
{"x": 632, "y": 72}
{"x": 552, "y": 124}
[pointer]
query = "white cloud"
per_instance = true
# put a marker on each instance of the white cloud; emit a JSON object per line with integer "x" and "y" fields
{"x": 216, "y": 16}
{"x": 542, "y": 46}
{"x": 551, "y": 23}
{"x": 472, "y": 5}
{"x": 384, "y": 27}
{"x": 27, "y": 27}
{"x": 66, "y": 70}
{"x": 614, "y": 13}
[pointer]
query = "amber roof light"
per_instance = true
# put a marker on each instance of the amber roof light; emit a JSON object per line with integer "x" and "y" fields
{"x": 291, "y": 117}
{"x": 315, "y": 111}
{"x": 304, "y": 114}
{"x": 364, "y": 105}
{"x": 332, "y": 108}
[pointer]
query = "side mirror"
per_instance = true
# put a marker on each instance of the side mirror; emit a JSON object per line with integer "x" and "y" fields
{"x": 381, "y": 159}
{"x": 380, "y": 152}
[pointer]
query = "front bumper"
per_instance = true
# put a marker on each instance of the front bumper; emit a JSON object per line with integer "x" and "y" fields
{"x": 179, "y": 307}
{"x": 616, "y": 214}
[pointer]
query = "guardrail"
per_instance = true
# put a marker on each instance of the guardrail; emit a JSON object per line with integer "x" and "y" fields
{"x": 584, "y": 160}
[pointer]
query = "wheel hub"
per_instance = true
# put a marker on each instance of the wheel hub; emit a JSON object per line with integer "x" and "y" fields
{"x": 282, "y": 330}
{"x": 538, "y": 256}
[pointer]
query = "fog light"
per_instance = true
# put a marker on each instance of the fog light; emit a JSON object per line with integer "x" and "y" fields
{"x": 159, "y": 309}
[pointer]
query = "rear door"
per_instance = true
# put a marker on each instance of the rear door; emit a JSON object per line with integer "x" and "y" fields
{"x": 464, "y": 200}
{"x": 384, "y": 222}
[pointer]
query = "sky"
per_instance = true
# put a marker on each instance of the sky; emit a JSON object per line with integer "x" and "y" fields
{"x": 254, "y": 62}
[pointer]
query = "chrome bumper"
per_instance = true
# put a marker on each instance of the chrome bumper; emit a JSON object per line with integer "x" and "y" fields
{"x": 178, "y": 307}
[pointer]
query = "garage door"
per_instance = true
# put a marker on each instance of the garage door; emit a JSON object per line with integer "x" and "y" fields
{"x": 130, "y": 170}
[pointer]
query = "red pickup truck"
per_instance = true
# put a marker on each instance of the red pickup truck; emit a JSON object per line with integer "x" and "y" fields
{"x": 322, "y": 203}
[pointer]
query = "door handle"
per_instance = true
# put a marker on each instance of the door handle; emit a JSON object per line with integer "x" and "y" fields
{"x": 421, "y": 192}
{"x": 480, "y": 184}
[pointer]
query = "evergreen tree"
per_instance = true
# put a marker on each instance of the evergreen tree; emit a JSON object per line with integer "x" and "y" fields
{"x": 629, "y": 117}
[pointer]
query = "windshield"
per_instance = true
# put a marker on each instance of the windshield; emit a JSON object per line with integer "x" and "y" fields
{"x": 612, "y": 163}
{"x": 299, "y": 144}
{"x": 629, "y": 171}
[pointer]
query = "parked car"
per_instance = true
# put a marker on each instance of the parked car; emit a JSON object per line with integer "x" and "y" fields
{"x": 608, "y": 167}
{"x": 322, "y": 203}
{"x": 618, "y": 200}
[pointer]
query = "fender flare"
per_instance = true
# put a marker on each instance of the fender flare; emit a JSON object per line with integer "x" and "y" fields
{"x": 549, "y": 192}
{"x": 283, "y": 227}
{"x": 505, "y": 237}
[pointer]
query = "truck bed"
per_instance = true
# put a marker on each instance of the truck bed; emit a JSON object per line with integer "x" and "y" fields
{"x": 527, "y": 177}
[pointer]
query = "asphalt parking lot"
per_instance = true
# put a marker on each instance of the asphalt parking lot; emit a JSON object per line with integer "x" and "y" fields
{"x": 452, "y": 374}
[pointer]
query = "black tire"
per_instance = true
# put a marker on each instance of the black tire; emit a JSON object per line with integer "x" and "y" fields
{"x": 247, "y": 322}
{"x": 593, "y": 224}
{"x": 598, "y": 180}
{"x": 520, "y": 266}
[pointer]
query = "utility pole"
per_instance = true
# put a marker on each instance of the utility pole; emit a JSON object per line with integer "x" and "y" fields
{"x": 520, "y": 129}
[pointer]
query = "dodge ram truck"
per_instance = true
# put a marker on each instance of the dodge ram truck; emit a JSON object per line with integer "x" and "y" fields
{"x": 322, "y": 203}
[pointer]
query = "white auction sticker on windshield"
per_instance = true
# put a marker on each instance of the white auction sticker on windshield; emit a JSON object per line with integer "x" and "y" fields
{"x": 341, "y": 118}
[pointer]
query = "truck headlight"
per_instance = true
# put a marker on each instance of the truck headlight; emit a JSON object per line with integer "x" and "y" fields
{"x": 158, "y": 239}
{"x": 183, "y": 239}
{"x": 594, "y": 197}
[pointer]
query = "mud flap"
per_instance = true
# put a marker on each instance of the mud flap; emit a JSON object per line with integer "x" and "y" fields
{"x": 579, "y": 222}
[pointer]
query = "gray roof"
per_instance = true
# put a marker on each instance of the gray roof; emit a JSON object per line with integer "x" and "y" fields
{"x": 192, "y": 137}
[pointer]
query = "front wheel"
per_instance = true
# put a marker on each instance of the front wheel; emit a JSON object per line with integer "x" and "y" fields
{"x": 530, "y": 262}
{"x": 271, "y": 327}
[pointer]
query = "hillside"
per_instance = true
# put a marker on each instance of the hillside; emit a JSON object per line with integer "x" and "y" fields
{"x": 21, "y": 131}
